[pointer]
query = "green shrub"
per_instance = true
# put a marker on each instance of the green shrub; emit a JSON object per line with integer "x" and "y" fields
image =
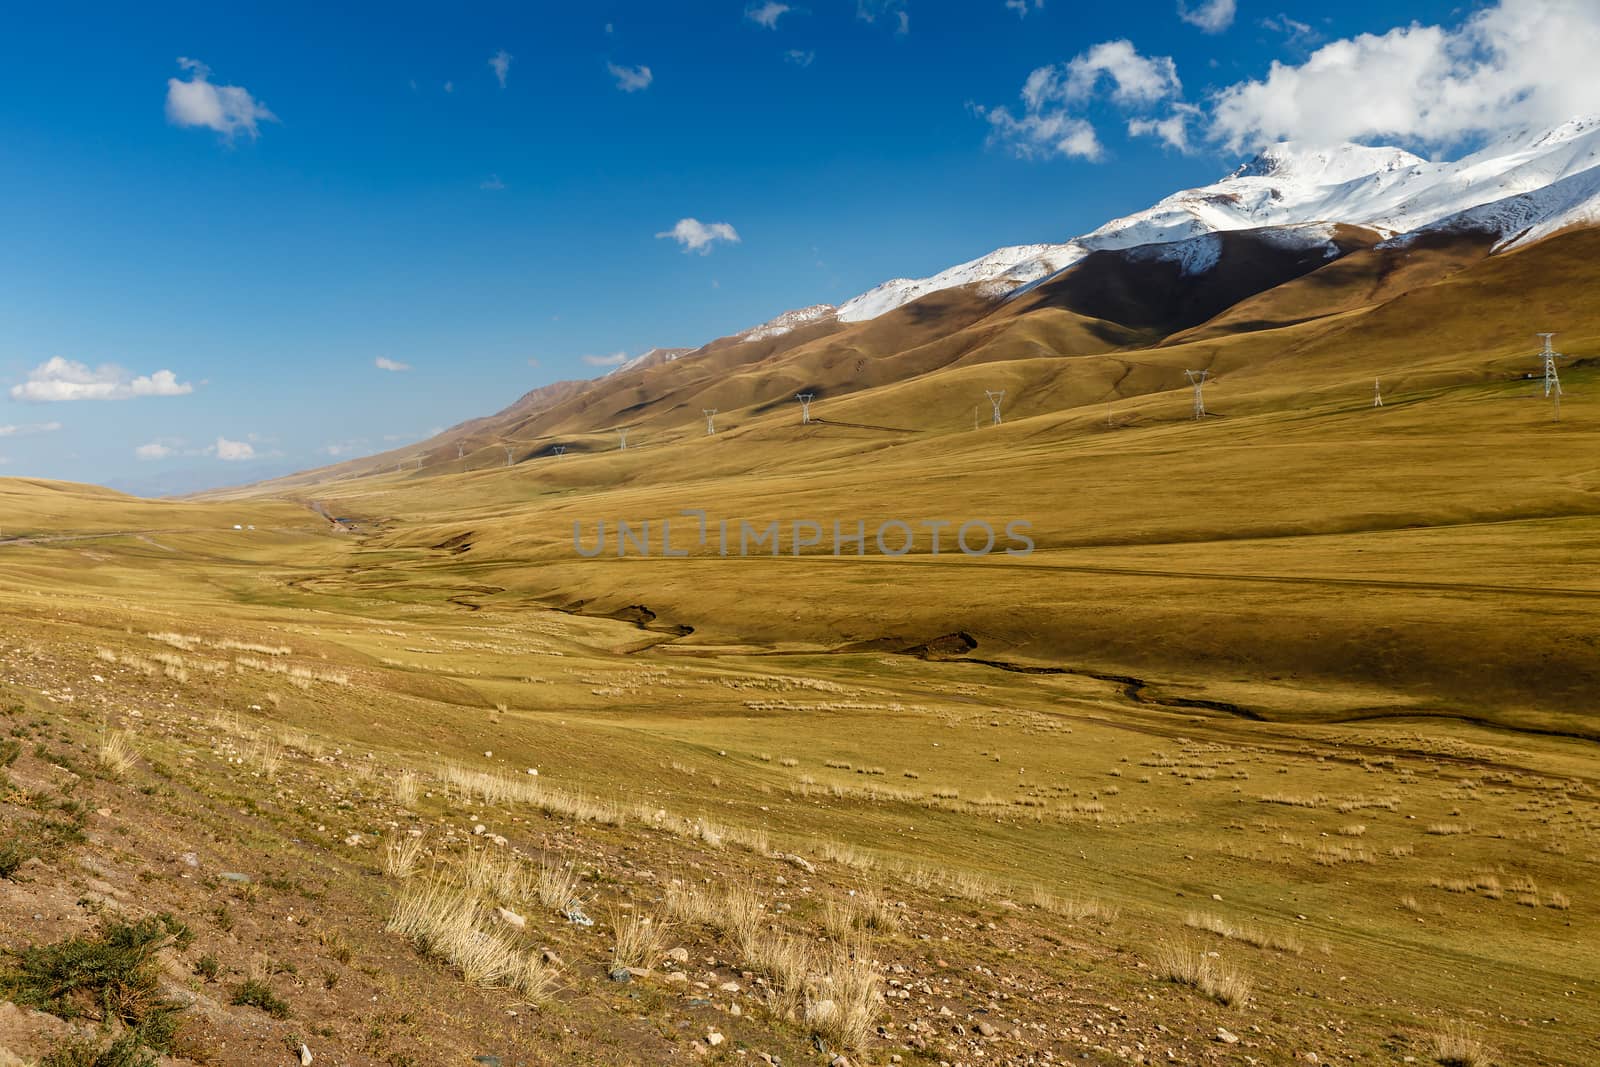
{"x": 255, "y": 993}
{"x": 112, "y": 976}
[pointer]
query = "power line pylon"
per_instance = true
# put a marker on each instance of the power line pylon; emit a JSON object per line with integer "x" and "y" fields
{"x": 1552, "y": 380}
{"x": 711, "y": 420}
{"x": 805, "y": 406}
{"x": 1197, "y": 378}
{"x": 995, "y": 398}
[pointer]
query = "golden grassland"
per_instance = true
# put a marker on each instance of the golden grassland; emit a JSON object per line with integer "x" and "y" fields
{"x": 1308, "y": 684}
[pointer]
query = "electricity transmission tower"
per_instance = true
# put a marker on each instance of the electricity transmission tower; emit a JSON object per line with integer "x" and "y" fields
{"x": 995, "y": 398}
{"x": 1377, "y": 394}
{"x": 508, "y": 454}
{"x": 711, "y": 420}
{"x": 1552, "y": 381}
{"x": 805, "y": 406}
{"x": 1197, "y": 378}
{"x": 461, "y": 450}
{"x": 560, "y": 450}
{"x": 622, "y": 445}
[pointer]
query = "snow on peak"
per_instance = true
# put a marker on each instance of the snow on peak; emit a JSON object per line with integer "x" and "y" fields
{"x": 1017, "y": 265}
{"x": 650, "y": 359}
{"x": 789, "y": 320}
{"x": 1296, "y": 162}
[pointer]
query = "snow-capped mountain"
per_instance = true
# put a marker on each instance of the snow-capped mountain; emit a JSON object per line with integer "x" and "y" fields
{"x": 1527, "y": 184}
{"x": 788, "y": 322}
{"x": 650, "y": 359}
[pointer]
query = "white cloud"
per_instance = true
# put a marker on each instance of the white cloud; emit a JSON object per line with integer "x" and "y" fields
{"x": 1022, "y": 7}
{"x": 449, "y": 87}
{"x": 1033, "y": 135}
{"x": 154, "y": 450}
{"x": 500, "y": 63}
{"x": 1173, "y": 130}
{"x": 492, "y": 183}
{"x": 631, "y": 79}
{"x": 232, "y": 451}
{"x": 344, "y": 448}
{"x": 1297, "y": 32}
{"x": 1048, "y": 125}
{"x": 58, "y": 379}
{"x": 385, "y": 363}
{"x": 893, "y": 11}
{"x": 697, "y": 236}
{"x": 29, "y": 430}
{"x": 1516, "y": 63}
{"x": 1135, "y": 79}
{"x": 1212, "y": 16}
{"x": 800, "y": 57}
{"x": 615, "y": 359}
{"x": 766, "y": 14}
{"x": 228, "y": 109}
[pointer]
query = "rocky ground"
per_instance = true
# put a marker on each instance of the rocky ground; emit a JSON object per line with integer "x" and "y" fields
{"x": 267, "y": 851}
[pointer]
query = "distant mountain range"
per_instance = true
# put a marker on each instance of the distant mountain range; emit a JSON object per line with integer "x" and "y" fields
{"x": 1366, "y": 224}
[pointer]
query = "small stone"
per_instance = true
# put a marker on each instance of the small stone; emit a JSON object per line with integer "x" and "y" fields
{"x": 679, "y": 955}
{"x": 1226, "y": 1037}
{"x": 985, "y": 1029}
{"x": 353, "y": 840}
{"x": 104, "y": 813}
{"x": 729, "y": 987}
{"x": 510, "y": 918}
{"x": 189, "y": 859}
{"x": 713, "y": 1038}
{"x": 305, "y": 1056}
{"x": 549, "y": 956}
{"x": 678, "y": 977}
{"x": 234, "y": 876}
{"x": 1216, "y": 896}
{"x": 479, "y": 830}
{"x": 620, "y": 974}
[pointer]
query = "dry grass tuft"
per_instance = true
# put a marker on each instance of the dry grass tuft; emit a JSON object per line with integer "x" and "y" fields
{"x": 843, "y": 999}
{"x": 494, "y": 873}
{"x": 116, "y": 753}
{"x": 1189, "y": 964}
{"x": 1454, "y": 1046}
{"x": 556, "y": 885}
{"x": 638, "y": 940}
{"x": 402, "y": 857}
{"x": 1073, "y": 908}
{"x": 1249, "y": 934}
{"x": 405, "y": 789}
{"x": 452, "y": 923}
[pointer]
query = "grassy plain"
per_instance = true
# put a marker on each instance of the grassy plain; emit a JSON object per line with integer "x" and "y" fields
{"x": 1280, "y": 747}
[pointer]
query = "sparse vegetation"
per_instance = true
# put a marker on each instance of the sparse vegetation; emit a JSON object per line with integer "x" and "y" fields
{"x": 1188, "y": 963}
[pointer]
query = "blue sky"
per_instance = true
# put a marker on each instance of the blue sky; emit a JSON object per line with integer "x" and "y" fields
{"x": 371, "y": 190}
